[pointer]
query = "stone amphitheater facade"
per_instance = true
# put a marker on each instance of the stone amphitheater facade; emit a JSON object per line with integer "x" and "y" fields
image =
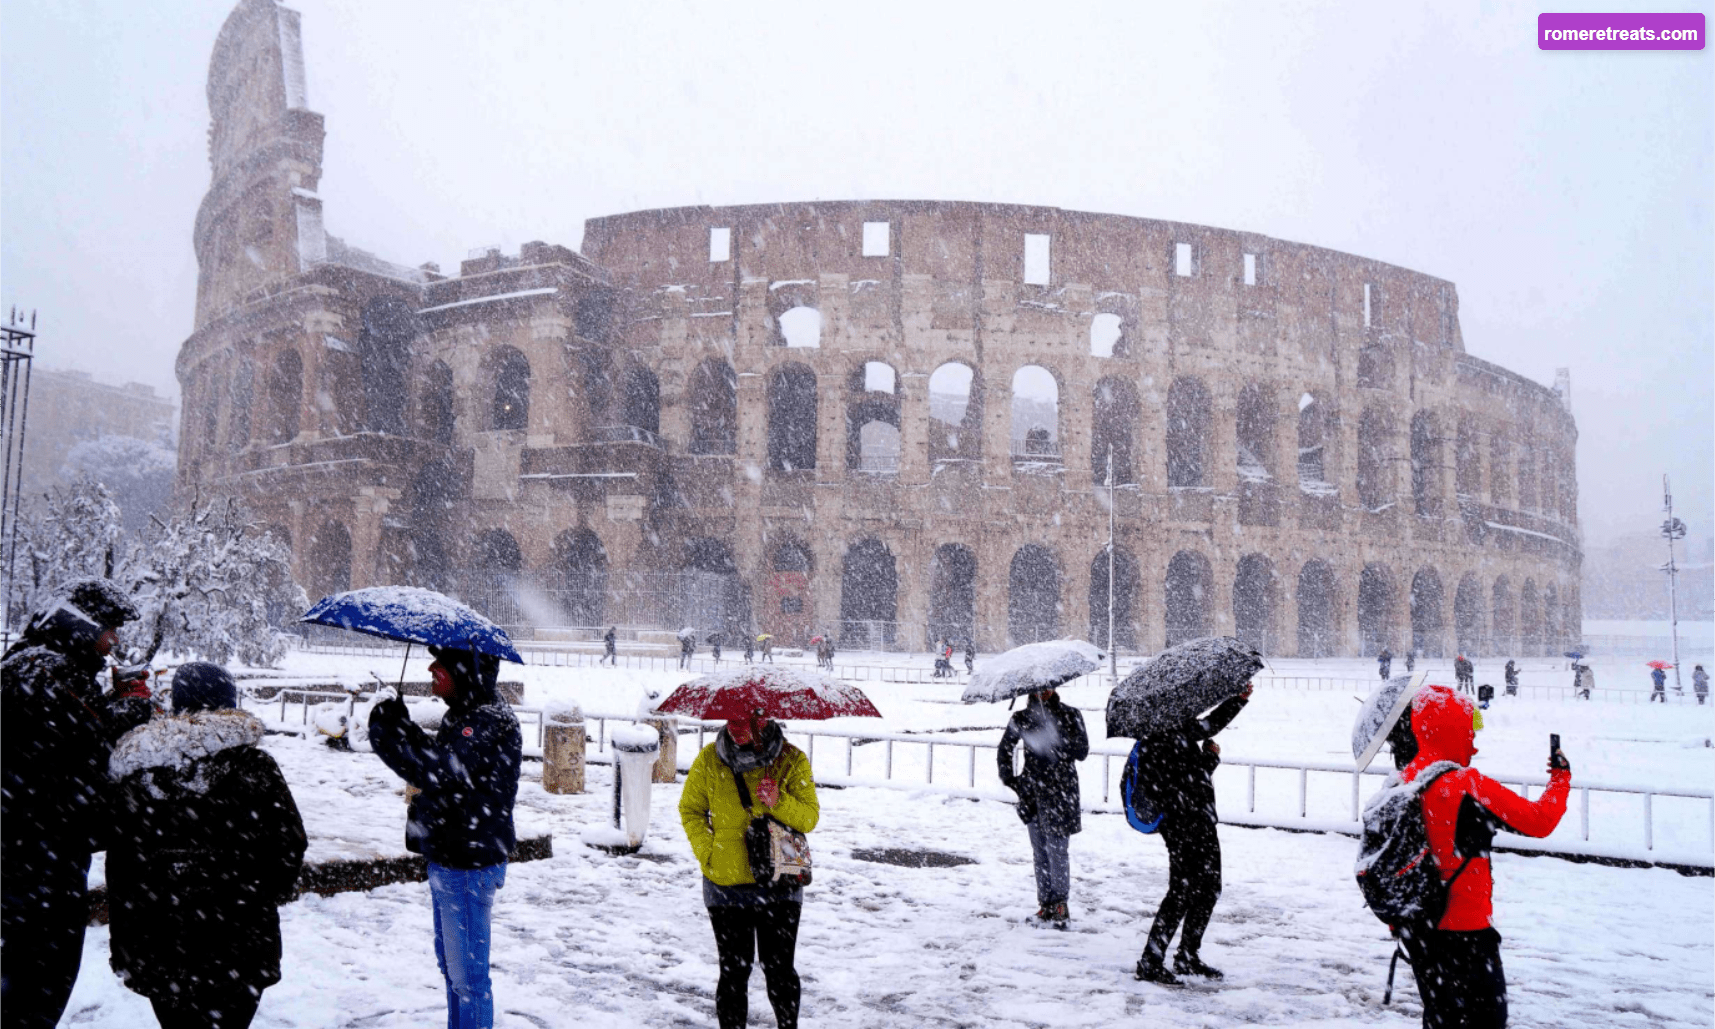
{"x": 888, "y": 420}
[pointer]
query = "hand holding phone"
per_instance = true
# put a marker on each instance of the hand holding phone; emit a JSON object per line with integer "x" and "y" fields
{"x": 1556, "y": 759}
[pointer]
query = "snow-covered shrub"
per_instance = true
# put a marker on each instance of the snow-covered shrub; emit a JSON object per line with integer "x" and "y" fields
{"x": 73, "y": 533}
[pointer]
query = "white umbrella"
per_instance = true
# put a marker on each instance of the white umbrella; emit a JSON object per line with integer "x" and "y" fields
{"x": 1032, "y": 667}
{"x": 1381, "y": 711}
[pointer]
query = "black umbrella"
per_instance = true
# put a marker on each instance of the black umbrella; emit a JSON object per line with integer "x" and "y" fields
{"x": 1180, "y": 684}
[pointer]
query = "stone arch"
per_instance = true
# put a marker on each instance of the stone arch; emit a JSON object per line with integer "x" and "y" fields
{"x": 1375, "y": 459}
{"x": 1467, "y": 462}
{"x": 285, "y": 396}
{"x": 1502, "y": 617}
{"x": 869, "y": 596}
{"x": 713, "y": 396}
{"x": 953, "y": 594}
{"x": 384, "y": 358}
{"x": 1500, "y": 472}
{"x": 1426, "y": 463}
{"x": 435, "y": 494}
{"x": 1377, "y": 609}
{"x": 1315, "y": 471}
{"x": 791, "y": 418}
{"x": 1551, "y": 636}
{"x": 872, "y": 419}
{"x": 1530, "y": 620}
{"x": 711, "y": 596}
{"x": 436, "y": 409}
{"x": 580, "y": 562}
{"x": 1527, "y": 473}
{"x": 955, "y": 414}
{"x": 1114, "y": 423}
{"x": 1256, "y": 593}
{"x": 489, "y": 582}
{"x": 1428, "y": 632}
{"x": 1035, "y": 414}
{"x": 1033, "y": 595}
{"x": 241, "y": 398}
{"x": 330, "y": 559}
{"x": 1188, "y": 425}
{"x": 1468, "y": 616}
{"x": 1187, "y": 597}
{"x": 508, "y": 378}
{"x": 1127, "y": 589}
{"x": 788, "y": 606}
{"x": 1318, "y": 630}
{"x": 640, "y": 402}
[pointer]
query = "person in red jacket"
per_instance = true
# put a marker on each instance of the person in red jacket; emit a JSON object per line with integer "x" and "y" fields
{"x": 1458, "y": 964}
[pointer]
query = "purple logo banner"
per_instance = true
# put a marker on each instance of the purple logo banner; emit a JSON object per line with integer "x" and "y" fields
{"x": 1619, "y": 31}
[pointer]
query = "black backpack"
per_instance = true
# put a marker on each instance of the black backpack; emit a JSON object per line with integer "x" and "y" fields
{"x": 1396, "y": 872}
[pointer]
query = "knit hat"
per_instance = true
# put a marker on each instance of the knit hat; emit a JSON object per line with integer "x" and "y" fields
{"x": 203, "y": 686}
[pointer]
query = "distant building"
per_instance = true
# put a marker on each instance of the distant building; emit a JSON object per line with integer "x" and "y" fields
{"x": 69, "y": 407}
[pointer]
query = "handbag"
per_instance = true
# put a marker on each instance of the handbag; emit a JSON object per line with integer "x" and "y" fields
{"x": 778, "y": 853}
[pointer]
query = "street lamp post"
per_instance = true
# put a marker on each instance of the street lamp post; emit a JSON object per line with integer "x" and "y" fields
{"x": 1672, "y": 529}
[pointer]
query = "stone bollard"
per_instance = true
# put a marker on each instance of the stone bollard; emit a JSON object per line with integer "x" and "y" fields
{"x": 667, "y": 763}
{"x": 563, "y": 750}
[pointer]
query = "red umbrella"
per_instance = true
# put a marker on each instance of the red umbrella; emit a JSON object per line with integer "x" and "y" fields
{"x": 1657, "y": 664}
{"x": 783, "y": 693}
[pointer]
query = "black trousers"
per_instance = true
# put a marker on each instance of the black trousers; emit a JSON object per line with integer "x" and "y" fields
{"x": 230, "y": 1008}
{"x": 740, "y": 933}
{"x": 1194, "y": 884}
{"x": 43, "y": 933}
{"x": 1460, "y": 979}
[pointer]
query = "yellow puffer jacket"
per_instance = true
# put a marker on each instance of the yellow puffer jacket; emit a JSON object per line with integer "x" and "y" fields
{"x": 715, "y": 818}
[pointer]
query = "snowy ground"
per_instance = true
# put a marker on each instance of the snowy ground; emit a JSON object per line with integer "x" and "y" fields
{"x": 591, "y": 940}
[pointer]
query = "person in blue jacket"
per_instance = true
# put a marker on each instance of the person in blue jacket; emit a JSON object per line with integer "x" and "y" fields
{"x": 1659, "y": 677}
{"x": 462, "y": 820}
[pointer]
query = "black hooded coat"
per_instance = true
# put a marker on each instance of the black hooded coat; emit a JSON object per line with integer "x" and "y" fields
{"x": 1054, "y": 742}
{"x": 1175, "y": 771}
{"x": 467, "y": 772}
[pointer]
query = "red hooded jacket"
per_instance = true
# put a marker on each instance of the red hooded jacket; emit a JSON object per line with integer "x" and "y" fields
{"x": 1463, "y": 809}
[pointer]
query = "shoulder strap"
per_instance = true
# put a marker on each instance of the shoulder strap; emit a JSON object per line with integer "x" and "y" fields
{"x": 743, "y": 790}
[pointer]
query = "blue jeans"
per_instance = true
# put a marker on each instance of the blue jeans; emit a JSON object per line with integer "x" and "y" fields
{"x": 1053, "y": 866}
{"x": 463, "y": 900}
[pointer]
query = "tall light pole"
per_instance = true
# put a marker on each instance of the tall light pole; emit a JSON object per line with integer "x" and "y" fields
{"x": 1672, "y": 529}
{"x": 1113, "y": 649}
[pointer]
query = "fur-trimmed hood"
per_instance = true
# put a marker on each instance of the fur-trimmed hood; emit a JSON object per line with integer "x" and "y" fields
{"x": 174, "y": 744}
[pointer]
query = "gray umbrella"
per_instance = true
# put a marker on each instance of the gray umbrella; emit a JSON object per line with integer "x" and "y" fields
{"x": 1381, "y": 711}
{"x": 1180, "y": 684}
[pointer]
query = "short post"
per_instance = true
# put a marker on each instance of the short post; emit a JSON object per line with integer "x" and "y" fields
{"x": 563, "y": 749}
{"x": 667, "y": 762}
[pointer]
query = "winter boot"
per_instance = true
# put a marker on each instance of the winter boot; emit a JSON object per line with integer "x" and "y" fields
{"x": 1191, "y": 964}
{"x": 1060, "y": 915}
{"x": 1044, "y": 913}
{"x": 1151, "y": 970}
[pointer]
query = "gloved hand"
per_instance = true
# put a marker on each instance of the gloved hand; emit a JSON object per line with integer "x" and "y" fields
{"x": 384, "y": 692}
{"x": 131, "y": 681}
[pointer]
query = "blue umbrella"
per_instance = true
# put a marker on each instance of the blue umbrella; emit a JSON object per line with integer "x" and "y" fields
{"x": 1574, "y": 654}
{"x": 413, "y": 615}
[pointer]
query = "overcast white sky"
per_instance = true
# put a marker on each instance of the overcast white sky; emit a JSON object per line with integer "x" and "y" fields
{"x": 1569, "y": 195}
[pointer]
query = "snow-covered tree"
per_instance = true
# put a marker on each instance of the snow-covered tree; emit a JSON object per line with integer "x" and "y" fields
{"x": 211, "y": 584}
{"x": 75, "y": 532}
{"x": 138, "y": 474}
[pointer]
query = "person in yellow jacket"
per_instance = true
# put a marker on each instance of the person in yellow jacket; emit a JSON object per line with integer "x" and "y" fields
{"x": 749, "y": 917}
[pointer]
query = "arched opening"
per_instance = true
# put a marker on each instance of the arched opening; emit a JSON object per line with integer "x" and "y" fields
{"x": 878, "y": 448}
{"x": 1113, "y": 427}
{"x": 791, "y": 418}
{"x": 953, "y": 594}
{"x": 1551, "y": 637}
{"x": 787, "y": 612}
{"x": 1375, "y": 460}
{"x": 1468, "y": 616}
{"x": 1255, "y": 590}
{"x": 1254, "y": 452}
{"x": 711, "y": 596}
{"x": 509, "y": 403}
{"x": 437, "y": 412}
{"x": 1428, "y": 633}
{"x": 285, "y": 396}
{"x": 1425, "y": 464}
{"x": 801, "y": 326}
{"x": 714, "y": 409}
{"x": 1375, "y": 609}
{"x": 1530, "y": 619}
{"x": 1035, "y": 414}
{"x": 1190, "y": 588}
{"x": 1502, "y": 617}
{"x": 1033, "y": 595}
{"x": 1316, "y": 624}
{"x": 1500, "y": 470}
{"x": 330, "y": 560}
{"x": 955, "y": 415}
{"x": 434, "y": 497}
{"x": 1467, "y": 463}
{"x": 1313, "y": 435}
{"x": 1527, "y": 475}
{"x": 640, "y": 404}
{"x": 1106, "y": 333}
{"x": 581, "y": 562}
{"x": 872, "y": 420}
{"x": 384, "y": 353}
{"x": 869, "y": 590}
{"x": 242, "y": 399}
{"x": 1126, "y": 585}
{"x": 213, "y": 387}
{"x": 1188, "y": 425}
{"x": 489, "y": 582}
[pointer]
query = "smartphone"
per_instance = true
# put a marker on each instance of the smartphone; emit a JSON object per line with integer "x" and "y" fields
{"x": 1554, "y": 758}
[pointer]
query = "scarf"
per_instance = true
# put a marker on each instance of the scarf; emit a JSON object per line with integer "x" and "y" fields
{"x": 760, "y": 754}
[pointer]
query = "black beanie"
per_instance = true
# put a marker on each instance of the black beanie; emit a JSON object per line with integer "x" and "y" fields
{"x": 203, "y": 686}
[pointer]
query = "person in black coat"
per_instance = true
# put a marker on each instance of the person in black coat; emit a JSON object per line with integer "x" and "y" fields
{"x": 207, "y": 844}
{"x": 462, "y": 820}
{"x": 1384, "y": 662}
{"x": 970, "y": 658}
{"x": 56, "y": 734}
{"x": 1175, "y": 772}
{"x": 1511, "y": 673}
{"x": 610, "y": 646}
{"x": 1054, "y": 742}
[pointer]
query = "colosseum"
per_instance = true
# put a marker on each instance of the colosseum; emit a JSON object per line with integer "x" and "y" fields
{"x": 894, "y": 421}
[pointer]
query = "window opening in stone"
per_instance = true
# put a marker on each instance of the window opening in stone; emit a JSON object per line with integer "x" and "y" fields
{"x": 955, "y": 415}
{"x": 714, "y": 409}
{"x": 1526, "y": 475}
{"x": 1551, "y": 619}
{"x": 879, "y": 377}
{"x": 1428, "y": 635}
{"x": 1375, "y": 461}
{"x": 213, "y": 387}
{"x": 720, "y": 245}
{"x": 1530, "y": 619}
{"x": 489, "y": 582}
{"x": 510, "y": 409}
{"x": 641, "y": 404}
{"x": 1254, "y": 439}
{"x": 872, "y": 420}
{"x": 330, "y": 559}
{"x": 1500, "y": 470}
{"x": 1372, "y": 306}
{"x": 435, "y": 495}
{"x": 436, "y": 409}
{"x": 1105, "y": 331}
{"x": 876, "y": 242}
{"x": 285, "y": 396}
{"x": 1033, "y": 595}
{"x": 791, "y": 418}
{"x": 1467, "y": 464}
{"x": 1375, "y": 610}
{"x": 1113, "y": 426}
{"x": 952, "y": 595}
{"x": 1035, "y": 414}
{"x": 242, "y": 399}
{"x": 1187, "y": 597}
{"x": 1312, "y": 446}
{"x": 712, "y": 597}
{"x": 1036, "y": 264}
{"x": 801, "y": 327}
{"x": 1182, "y": 260}
{"x": 1255, "y": 597}
{"x": 1501, "y": 615}
{"x": 1187, "y": 434}
{"x": 1126, "y": 584}
{"x": 583, "y": 573}
{"x": 878, "y": 448}
{"x": 869, "y": 584}
{"x": 1425, "y": 464}
{"x": 384, "y": 352}
{"x": 1316, "y": 626}
{"x": 1250, "y": 269}
{"x": 1468, "y": 616}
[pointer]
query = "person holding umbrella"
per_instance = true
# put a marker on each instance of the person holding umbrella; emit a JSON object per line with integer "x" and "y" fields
{"x": 767, "y": 642}
{"x": 1384, "y": 662}
{"x": 1512, "y": 677}
{"x": 1054, "y": 741}
{"x": 1658, "y": 676}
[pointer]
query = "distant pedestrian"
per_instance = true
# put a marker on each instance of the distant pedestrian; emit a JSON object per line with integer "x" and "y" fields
{"x": 715, "y": 641}
{"x": 1583, "y": 681}
{"x": 1384, "y": 662}
{"x": 1465, "y": 672}
{"x": 1659, "y": 692}
{"x": 767, "y": 647}
{"x": 687, "y": 647}
{"x": 749, "y": 648}
{"x": 1410, "y": 661}
{"x": 970, "y": 658}
{"x": 1054, "y": 741}
{"x": 610, "y": 646}
{"x": 1700, "y": 684}
{"x": 943, "y": 666}
{"x": 1512, "y": 677}
{"x": 208, "y": 844}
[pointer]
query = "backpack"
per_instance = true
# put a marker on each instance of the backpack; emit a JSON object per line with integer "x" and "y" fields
{"x": 1140, "y": 813}
{"x": 1396, "y": 872}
